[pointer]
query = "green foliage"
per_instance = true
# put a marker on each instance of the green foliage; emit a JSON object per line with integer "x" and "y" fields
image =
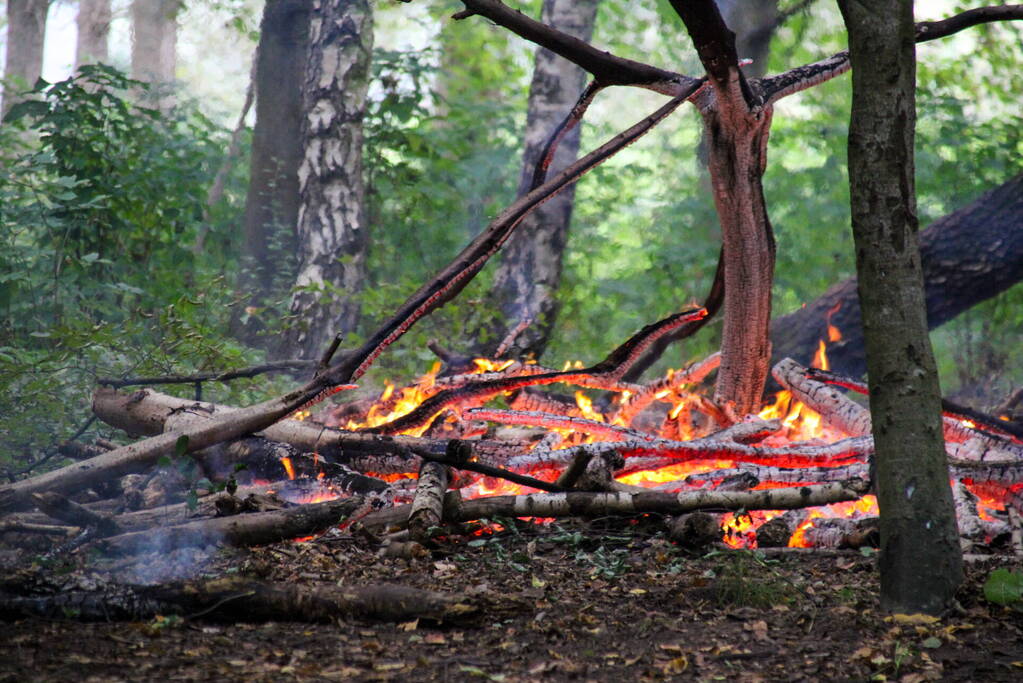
{"x": 100, "y": 202}
{"x": 1004, "y": 587}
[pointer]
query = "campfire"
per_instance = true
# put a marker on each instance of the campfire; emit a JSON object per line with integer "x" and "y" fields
{"x": 479, "y": 439}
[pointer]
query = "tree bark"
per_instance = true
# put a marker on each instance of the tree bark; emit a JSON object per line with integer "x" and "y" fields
{"x": 93, "y": 32}
{"x": 273, "y": 200}
{"x": 968, "y": 256}
{"x": 154, "y": 43}
{"x": 239, "y": 599}
{"x": 921, "y": 561}
{"x": 529, "y": 272}
{"x": 737, "y": 125}
{"x": 26, "y": 30}
{"x": 332, "y": 227}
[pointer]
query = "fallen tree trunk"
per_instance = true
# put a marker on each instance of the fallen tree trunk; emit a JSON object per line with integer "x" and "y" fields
{"x": 240, "y": 599}
{"x": 968, "y": 256}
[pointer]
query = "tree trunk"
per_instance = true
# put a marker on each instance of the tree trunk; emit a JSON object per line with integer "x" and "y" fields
{"x": 272, "y": 203}
{"x": 26, "y": 29}
{"x": 921, "y": 561}
{"x": 154, "y": 44}
{"x": 737, "y": 126}
{"x": 968, "y": 256}
{"x": 529, "y": 272}
{"x": 332, "y": 229}
{"x": 93, "y": 32}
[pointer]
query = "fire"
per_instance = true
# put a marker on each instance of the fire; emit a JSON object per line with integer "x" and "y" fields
{"x": 389, "y": 407}
{"x": 834, "y": 334}
{"x": 800, "y": 422}
{"x": 820, "y": 359}
{"x": 289, "y": 468}
{"x": 488, "y": 365}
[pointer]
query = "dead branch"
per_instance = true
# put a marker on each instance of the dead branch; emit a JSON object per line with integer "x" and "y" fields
{"x": 258, "y": 528}
{"x": 588, "y": 504}
{"x": 804, "y": 77}
{"x": 60, "y": 508}
{"x": 605, "y": 67}
{"x": 226, "y": 376}
{"x": 427, "y": 509}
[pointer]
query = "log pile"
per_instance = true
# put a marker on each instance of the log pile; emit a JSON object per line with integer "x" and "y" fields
{"x": 651, "y": 449}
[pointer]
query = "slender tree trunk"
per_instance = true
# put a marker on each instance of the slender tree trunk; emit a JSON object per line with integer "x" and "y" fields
{"x": 736, "y": 124}
{"x": 529, "y": 273}
{"x": 154, "y": 43}
{"x": 921, "y": 561}
{"x": 737, "y": 155}
{"x": 93, "y": 32}
{"x": 273, "y": 200}
{"x": 26, "y": 30}
{"x": 968, "y": 256}
{"x": 332, "y": 229}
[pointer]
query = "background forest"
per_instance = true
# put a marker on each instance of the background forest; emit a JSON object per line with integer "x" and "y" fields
{"x": 118, "y": 259}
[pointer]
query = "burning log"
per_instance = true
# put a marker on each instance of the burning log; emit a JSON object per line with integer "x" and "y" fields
{"x": 604, "y": 375}
{"x": 777, "y": 532}
{"x": 240, "y": 599}
{"x": 427, "y": 509}
{"x": 839, "y": 532}
{"x": 603, "y": 504}
{"x": 636, "y": 402}
{"x": 838, "y": 411}
{"x": 642, "y": 455}
{"x": 240, "y": 530}
{"x": 538, "y": 419}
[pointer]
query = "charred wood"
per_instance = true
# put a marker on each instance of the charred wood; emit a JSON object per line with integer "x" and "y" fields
{"x": 239, "y": 530}
{"x": 240, "y": 599}
{"x": 604, "y": 504}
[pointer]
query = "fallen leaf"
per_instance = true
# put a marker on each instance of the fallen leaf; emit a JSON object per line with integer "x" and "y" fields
{"x": 912, "y": 619}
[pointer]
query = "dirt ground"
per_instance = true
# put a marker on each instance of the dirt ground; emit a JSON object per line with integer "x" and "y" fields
{"x": 573, "y": 601}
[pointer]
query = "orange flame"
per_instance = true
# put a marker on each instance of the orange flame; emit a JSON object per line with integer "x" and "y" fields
{"x": 288, "y": 467}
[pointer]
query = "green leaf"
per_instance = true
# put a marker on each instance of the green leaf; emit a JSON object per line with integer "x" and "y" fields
{"x": 1004, "y": 587}
{"x": 867, "y": 552}
{"x": 931, "y": 643}
{"x": 181, "y": 446}
{"x": 32, "y": 108}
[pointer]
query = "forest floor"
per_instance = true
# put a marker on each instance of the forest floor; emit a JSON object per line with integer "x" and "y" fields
{"x": 575, "y": 601}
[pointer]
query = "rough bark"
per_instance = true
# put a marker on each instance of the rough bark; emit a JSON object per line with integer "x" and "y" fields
{"x": 239, "y": 599}
{"x": 26, "y": 30}
{"x": 921, "y": 562}
{"x": 529, "y": 272}
{"x": 272, "y": 202}
{"x": 968, "y": 256}
{"x": 332, "y": 228}
{"x": 154, "y": 43}
{"x": 736, "y": 127}
{"x": 93, "y": 24}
